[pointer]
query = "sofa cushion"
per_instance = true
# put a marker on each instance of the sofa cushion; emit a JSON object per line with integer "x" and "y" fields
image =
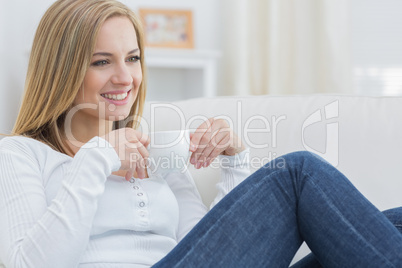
{"x": 361, "y": 136}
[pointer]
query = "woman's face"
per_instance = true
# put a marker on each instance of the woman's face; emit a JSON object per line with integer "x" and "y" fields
{"x": 112, "y": 81}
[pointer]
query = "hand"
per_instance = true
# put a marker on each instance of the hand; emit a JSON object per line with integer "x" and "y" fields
{"x": 212, "y": 138}
{"x": 131, "y": 147}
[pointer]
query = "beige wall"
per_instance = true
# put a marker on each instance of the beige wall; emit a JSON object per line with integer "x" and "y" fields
{"x": 22, "y": 17}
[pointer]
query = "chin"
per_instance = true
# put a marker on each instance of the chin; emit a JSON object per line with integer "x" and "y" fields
{"x": 117, "y": 116}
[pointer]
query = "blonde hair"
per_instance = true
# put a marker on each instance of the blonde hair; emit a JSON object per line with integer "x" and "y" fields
{"x": 61, "y": 53}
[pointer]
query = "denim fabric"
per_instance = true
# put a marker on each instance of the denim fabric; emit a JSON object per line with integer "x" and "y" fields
{"x": 395, "y": 217}
{"x": 295, "y": 198}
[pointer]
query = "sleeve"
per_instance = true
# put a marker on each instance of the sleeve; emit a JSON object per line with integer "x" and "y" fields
{"x": 234, "y": 169}
{"x": 34, "y": 234}
{"x": 191, "y": 207}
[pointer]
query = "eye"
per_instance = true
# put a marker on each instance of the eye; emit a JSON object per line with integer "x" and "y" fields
{"x": 134, "y": 59}
{"x": 100, "y": 63}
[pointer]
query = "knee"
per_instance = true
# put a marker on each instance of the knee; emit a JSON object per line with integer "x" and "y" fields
{"x": 292, "y": 158}
{"x": 303, "y": 157}
{"x": 299, "y": 161}
{"x": 292, "y": 167}
{"x": 394, "y": 215}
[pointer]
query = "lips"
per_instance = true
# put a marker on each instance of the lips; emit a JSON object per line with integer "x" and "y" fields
{"x": 119, "y": 98}
{"x": 110, "y": 96}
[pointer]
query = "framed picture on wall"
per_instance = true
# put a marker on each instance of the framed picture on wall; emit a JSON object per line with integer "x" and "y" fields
{"x": 168, "y": 28}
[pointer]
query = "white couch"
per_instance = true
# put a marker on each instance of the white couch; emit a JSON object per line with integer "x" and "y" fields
{"x": 361, "y": 136}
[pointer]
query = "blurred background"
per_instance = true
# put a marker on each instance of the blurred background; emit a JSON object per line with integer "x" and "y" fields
{"x": 243, "y": 47}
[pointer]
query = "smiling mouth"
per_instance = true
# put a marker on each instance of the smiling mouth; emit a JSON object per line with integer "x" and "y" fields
{"x": 116, "y": 97}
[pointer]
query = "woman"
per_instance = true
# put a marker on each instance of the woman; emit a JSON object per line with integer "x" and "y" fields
{"x": 72, "y": 194}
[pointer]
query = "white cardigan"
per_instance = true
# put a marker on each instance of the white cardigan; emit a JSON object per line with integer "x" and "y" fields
{"x": 58, "y": 211}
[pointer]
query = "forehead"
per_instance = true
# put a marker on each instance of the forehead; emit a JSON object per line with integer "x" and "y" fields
{"x": 116, "y": 33}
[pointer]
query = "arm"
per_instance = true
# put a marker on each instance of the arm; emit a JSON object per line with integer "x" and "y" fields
{"x": 36, "y": 235}
{"x": 212, "y": 138}
{"x": 234, "y": 169}
{"x": 191, "y": 207}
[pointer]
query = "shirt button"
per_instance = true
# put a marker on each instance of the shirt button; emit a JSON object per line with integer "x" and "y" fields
{"x": 140, "y": 194}
{"x": 132, "y": 180}
{"x": 142, "y": 204}
{"x": 136, "y": 187}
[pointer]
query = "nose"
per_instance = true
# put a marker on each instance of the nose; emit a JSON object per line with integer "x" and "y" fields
{"x": 122, "y": 75}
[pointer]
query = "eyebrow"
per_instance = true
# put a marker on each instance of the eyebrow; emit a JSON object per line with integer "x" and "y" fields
{"x": 110, "y": 54}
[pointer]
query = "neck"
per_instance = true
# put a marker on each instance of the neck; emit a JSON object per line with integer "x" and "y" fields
{"x": 83, "y": 128}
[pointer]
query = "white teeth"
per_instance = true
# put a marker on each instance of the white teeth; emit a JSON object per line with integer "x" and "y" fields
{"x": 115, "y": 96}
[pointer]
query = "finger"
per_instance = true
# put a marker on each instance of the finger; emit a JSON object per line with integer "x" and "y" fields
{"x": 217, "y": 145}
{"x": 145, "y": 140}
{"x": 141, "y": 169}
{"x": 143, "y": 151}
{"x": 199, "y": 133}
{"x": 138, "y": 159}
{"x": 133, "y": 136}
{"x": 197, "y": 155}
{"x": 211, "y": 139}
{"x": 219, "y": 142}
{"x": 214, "y": 141}
{"x": 192, "y": 146}
{"x": 224, "y": 139}
{"x": 200, "y": 140}
{"x": 134, "y": 144}
{"x": 129, "y": 174}
{"x": 134, "y": 156}
{"x": 223, "y": 143}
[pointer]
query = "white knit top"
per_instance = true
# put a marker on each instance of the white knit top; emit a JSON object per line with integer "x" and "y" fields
{"x": 59, "y": 211}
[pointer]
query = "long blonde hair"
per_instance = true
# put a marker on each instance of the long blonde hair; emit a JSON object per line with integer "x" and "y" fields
{"x": 61, "y": 53}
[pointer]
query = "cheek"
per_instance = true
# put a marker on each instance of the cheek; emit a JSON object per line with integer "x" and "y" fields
{"x": 137, "y": 77}
{"x": 90, "y": 88}
{"x": 81, "y": 96}
{"x": 92, "y": 82}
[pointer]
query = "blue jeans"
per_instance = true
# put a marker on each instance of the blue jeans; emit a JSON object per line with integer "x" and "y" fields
{"x": 299, "y": 197}
{"x": 395, "y": 217}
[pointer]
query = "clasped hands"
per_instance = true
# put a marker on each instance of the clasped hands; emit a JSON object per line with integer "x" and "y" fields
{"x": 212, "y": 138}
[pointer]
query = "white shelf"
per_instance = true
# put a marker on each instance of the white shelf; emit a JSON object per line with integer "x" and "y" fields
{"x": 179, "y": 58}
{"x": 204, "y": 61}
